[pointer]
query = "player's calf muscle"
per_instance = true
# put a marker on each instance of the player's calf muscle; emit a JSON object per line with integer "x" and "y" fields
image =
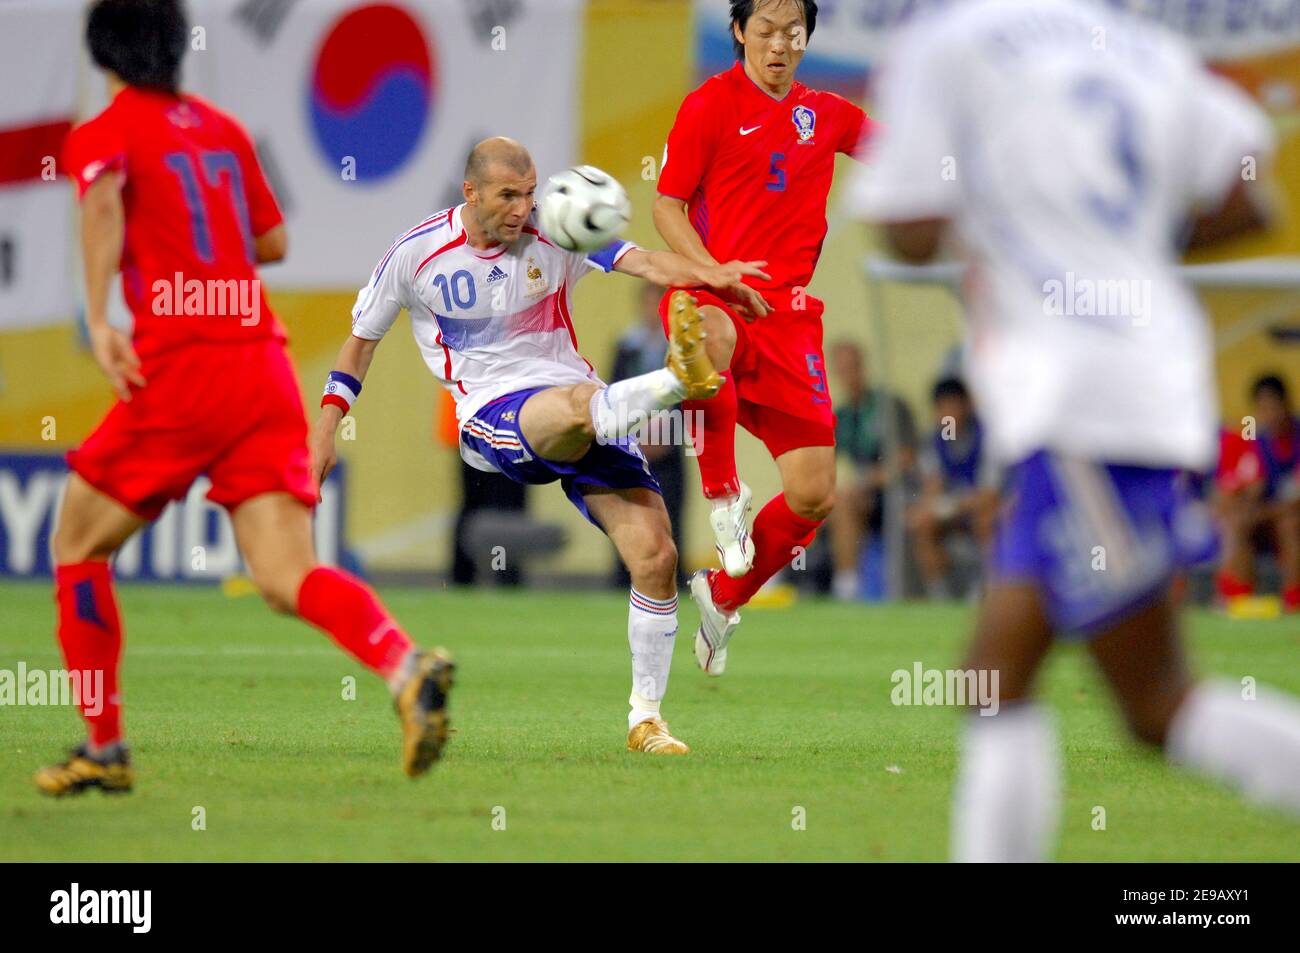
{"x": 274, "y": 534}
{"x": 1143, "y": 660}
{"x": 280, "y": 593}
{"x": 1012, "y": 637}
{"x": 1148, "y": 714}
{"x": 278, "y": 582}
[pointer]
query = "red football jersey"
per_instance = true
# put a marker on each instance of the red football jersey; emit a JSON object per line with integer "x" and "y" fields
{"x": 756, "y": 171}
{"x": 194, "y": 198}
{"x": 1240, "y": 464}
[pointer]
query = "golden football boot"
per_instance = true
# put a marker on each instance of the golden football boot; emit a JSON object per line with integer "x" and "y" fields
{"x": 422, "y": 706}
{"x": 687, "y": 357}
{"x": 652, "y": 737}
{"x": 112, "y": 775}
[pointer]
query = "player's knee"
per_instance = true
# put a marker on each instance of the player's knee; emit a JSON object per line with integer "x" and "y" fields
{"x": 812, "y": 501}
{"x": 720, "y": 335}
{"x": 815, "y": 509}
{"x": 657, "y": 564}
{"x": 663, "y": 564}
{"x": 63, "y": 546}
{"x": 579, "y": 419}
{"x": 69, "y": 547}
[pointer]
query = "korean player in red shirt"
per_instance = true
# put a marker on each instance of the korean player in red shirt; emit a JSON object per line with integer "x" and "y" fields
{"x": 172, "y": 196}
{"x": 746, "y": 174}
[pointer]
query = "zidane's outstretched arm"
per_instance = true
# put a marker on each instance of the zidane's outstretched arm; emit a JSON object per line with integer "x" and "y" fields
{"x": 671, "y": 270}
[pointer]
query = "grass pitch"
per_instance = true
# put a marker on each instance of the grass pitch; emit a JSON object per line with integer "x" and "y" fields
{"x": 242, "y": 714}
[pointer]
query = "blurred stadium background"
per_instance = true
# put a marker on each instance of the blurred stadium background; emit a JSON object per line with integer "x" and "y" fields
{"x": 595, "y": 81}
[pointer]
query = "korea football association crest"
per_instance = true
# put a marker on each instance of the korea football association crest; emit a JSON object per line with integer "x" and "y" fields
{"x": 183, "y": 116}
{"x": 805, "y": 123}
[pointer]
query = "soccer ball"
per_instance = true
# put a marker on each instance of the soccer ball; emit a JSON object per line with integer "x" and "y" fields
{"x": 583, "y": 209}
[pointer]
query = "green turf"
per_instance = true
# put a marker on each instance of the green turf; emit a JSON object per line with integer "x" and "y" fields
{"x": 241, "y": 713}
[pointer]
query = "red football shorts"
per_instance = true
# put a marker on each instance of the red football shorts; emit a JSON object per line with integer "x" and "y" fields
{"x": 779, "y": 371}
{"x": 230, "y": 411}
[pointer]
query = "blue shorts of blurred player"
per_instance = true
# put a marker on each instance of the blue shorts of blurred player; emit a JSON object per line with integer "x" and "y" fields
{"x": 1099, "y": 540}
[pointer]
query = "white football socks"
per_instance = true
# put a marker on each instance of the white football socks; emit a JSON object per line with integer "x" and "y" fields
{"x": 1008, "y": 788}
{"x": 844, "y": 585}
{"x": 1006, "y": 804}
{"x": 624, "y": 406}
{"x": 403, "y": 672}
{"x": 1252, "y": 744}
{"x": 651, "y": 632}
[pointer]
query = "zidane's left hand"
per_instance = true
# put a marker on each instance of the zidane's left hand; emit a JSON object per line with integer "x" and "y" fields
{"x": 727, "y": 280}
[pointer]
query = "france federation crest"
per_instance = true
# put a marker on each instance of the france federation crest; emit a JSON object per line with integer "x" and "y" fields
{"x": 805, "y": 121}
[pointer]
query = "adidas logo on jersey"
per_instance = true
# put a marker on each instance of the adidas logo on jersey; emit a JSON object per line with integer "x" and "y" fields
{"x": 496, "y": 274}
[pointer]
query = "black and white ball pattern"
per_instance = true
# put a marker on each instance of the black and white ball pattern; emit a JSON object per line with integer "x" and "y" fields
{"x": 583, "y": 209}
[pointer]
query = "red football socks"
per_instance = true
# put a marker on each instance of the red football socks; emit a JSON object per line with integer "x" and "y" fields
{"x": 715, "y": 440}
{"x": 351, "y": 614}
{"x": 1291, "y": 597}
{"x": 1230, "y": 586}
{"x": 90, "y": 633}
{"x": 777, "y": 531}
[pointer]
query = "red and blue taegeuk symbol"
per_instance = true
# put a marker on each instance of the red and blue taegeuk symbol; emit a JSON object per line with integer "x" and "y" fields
{"x": 372, "y": 89}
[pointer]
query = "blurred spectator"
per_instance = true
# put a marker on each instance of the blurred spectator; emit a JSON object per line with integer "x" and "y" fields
{"x": 482, "y": 491}
{"x": 860, "y": 443}
{"x": 957, "y": 493}
{"x": 643, "y": 348}
{"x": 1259, "y": 495}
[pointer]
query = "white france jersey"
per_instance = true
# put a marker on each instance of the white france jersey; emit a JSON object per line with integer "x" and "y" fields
{"x": 488, "y": 322}
{"x": 1068, "y": 145}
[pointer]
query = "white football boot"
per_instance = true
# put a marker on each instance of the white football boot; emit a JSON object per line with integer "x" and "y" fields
{"x": 731, "y": 533}
{"x": 716, "y": 627}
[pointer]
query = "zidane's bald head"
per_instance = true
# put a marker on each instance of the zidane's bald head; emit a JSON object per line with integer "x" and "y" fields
{"x": 500, "y": 182}
{"x": 496, "y": 153}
